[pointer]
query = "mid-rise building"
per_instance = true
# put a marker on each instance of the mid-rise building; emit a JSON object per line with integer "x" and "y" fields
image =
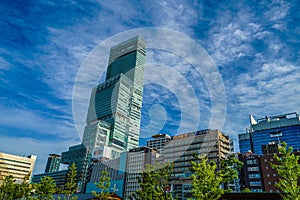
{"x": 181, "y": 149}
{"x": 17, "y": 166}
{"x": 158, "y": 141}
{"x": 274, "y": 130}
{"x": 137, "y": 161}
{"x": 118, "y": 101}
{"x": 80, "y": 155}
{"x": 53, "y": 163}
{"x": 251, "y": 173}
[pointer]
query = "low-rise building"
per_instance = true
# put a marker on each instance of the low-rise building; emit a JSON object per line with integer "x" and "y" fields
{"x": 59, "y": 177}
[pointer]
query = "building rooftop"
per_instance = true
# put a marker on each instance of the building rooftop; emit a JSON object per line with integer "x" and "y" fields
{"x": 161, "y": 135}
{"x": 278, "y": 121}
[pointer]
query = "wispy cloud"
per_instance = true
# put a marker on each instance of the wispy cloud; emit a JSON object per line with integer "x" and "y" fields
{"x": 24, "y": 146}
{"x": 44, "y": 45}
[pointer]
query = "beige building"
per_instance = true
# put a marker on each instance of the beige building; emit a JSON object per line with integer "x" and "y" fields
{"x": 181, "y": 149}
{"x": 17, "y": 166}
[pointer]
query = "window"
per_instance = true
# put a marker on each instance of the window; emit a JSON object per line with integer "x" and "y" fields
{"x": 255, "y": 183}
{"x": 249, "y": 162}
{"x": 251, "y": 169}
{"x": 254, "y": 175}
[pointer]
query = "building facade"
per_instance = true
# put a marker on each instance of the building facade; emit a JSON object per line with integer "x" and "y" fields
{"x": 116, "y": 168}
{"x": 274, "y": 130}
{"x": 180, "y": 150}
{"x": 58, "y": 176}
{"x": 251, "y": 173}
{"x": 245, "y": 142}
{"x": 137, "y": 161}
{"x": 158, "y": 141}
{"x": 80, "y": 155}
{"x": 17, "y": 166}
{"x": 118, "y": 100}
{"x": 53, "y": 163}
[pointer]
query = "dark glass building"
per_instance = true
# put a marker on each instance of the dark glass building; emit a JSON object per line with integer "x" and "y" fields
{"x": 53, "y": 163}
{"x": 251, "y": 173}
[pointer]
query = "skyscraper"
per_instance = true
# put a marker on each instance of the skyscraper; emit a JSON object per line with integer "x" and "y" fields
{"x": 114, "y": 113}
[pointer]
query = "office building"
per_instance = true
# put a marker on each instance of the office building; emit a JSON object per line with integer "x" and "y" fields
{"x": 158, "y": 141}
{"x": 180, "y": 150}
{"x": 59, "y": 177}
{"x": 53, "y": 163}
{"x": 245, "y": 142}
{"x": 17, "y": 166}
{"x": 137, "y": 161}
{"x": 251, "y": 173}
{"x": 274, "y": 130}
{"x": 116, "y": 168}
{"x": 80, "y": 155}
{"x": 118, "y": 100}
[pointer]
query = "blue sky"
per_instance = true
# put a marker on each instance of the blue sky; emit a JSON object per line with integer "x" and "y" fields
{"x": 255, "y": 47}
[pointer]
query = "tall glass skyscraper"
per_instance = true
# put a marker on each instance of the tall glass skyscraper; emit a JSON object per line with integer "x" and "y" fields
{"x": 114, "y": 113}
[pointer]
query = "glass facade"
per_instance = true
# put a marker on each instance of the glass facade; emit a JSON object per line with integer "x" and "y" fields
{"x": 267, "y": 133}
{"x": 53, "y": 163}
{"x": 245, "y": 142}
{"x": 290, "y": 135}
{"x": 118, "y": 100}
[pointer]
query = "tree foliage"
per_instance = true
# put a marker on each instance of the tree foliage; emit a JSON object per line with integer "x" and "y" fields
{"x": 70, "y": 186}
{"x": 12, "y": 190}
{"x": 154, "y": 183}
{"x": 46, "y": 188}
{"x": 229, "y": 168}
{"x": 207, "y": 178}
{"x": 103, "y": 185}
{"x": 24, "y": 190}
{"x": 7, "y": 188}
{"x": 289, "y": 170}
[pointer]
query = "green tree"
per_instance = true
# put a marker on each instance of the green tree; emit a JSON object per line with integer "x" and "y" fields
{"x": 46, "y": 188}
{"x": 7, "y": 189}
{"x": 229, "y": 169}
{"x": 24, "y": 190}
{"x": 103, "y": 185}
{"x": 207, "y": 178}
{"x": 70, "y": 187}
{"x": 288, "y": 168}
{"x": 154, "y": 183}
{"x": 246, "y": 190}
